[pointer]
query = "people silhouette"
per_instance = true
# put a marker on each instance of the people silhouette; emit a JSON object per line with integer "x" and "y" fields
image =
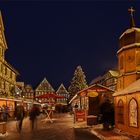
{"x": 19, "y": 114}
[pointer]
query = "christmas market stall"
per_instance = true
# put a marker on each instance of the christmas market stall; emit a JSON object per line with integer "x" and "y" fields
{"x": 89, "y": 101}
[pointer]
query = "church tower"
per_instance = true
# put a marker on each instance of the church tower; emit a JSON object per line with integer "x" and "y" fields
{"x": 127, "y": 96}
{"x": 129, "y": 55}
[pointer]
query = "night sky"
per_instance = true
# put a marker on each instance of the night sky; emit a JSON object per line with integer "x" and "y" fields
{"x": 51, "y": 38}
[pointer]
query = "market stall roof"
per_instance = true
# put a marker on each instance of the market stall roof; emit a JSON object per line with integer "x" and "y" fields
{"x": 74, "y": 97}
{"x": 134, "y": 87}
{"x": 96, "y": 87}
{"x": 15, "y": 99}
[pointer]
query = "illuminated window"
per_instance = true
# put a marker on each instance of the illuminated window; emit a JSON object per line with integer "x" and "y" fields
{"x": 133, "y": 113}
{"x": 120, "y": 112}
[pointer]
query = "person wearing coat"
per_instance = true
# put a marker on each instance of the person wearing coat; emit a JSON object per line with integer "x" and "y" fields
{"x": 34, "y": 112}
{"x": 19, "y": 115}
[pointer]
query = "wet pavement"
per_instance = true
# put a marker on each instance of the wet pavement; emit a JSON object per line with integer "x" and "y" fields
{"x": 61, "y": 129}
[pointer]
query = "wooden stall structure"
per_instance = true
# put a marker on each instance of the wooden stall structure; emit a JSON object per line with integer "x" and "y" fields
{"x": 90, "y": 99}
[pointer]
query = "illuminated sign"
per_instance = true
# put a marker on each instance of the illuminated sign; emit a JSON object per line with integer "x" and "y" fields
{"x": 92, "y": 93}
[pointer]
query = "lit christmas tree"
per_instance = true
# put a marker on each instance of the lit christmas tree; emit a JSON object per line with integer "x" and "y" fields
{"x": 78, "y": 82}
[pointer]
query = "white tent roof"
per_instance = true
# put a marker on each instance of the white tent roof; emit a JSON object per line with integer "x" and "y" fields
{"x": 134, "y": 87}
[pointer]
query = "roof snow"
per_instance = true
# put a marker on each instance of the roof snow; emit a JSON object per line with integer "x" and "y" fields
{"x": 129, "y": 31}
{"x": 134, "y": 87}
{"x": 114, "y": 73}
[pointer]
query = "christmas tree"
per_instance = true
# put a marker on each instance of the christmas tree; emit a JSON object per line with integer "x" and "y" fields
{"x": 78, "y": 82}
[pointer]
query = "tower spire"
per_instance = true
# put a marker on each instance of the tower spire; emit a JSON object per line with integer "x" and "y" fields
{"x": 132, "y": 22}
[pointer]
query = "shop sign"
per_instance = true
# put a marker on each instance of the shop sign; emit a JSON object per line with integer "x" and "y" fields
{"x": 92, "y": 94}
{"x": 80, "y": 115}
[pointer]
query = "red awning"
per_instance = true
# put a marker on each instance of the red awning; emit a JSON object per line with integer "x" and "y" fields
{"x": 60, "y": 96}
{"x": 49, "y": 95}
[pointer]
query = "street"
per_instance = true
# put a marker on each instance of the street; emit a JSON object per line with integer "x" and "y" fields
{"x": 60, "y": 129}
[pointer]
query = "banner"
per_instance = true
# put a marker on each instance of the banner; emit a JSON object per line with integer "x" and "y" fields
{"x": 80, "y": 115}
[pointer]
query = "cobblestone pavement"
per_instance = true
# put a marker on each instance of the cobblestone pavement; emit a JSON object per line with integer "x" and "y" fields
{"x": 61, "y": 129}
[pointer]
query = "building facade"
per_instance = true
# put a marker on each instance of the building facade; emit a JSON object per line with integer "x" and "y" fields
{"x": 62, "y": 92}
{"x": 7, "y": 73}
{"x": 127, "y": 97}
{"x": 109, "y": 79}
{"x": 28, "y": 92}
{"x": 44, "y": 87}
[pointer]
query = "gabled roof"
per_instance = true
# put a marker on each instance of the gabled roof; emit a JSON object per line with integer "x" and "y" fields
{"x": 62, "y": 89}
{"x": 28, "y": 88}
{"x": 111, "y": 73}
{"x": 96, "y": 80}
{"x": 44, "y": 86}
{"x": 134, "y": 87}
{"x": 97, "y": 87}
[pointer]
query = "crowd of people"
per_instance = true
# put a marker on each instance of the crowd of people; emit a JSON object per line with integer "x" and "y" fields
{"x": 34, "y": 111}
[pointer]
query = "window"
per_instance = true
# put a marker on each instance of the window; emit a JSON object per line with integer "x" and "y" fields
{"x": 0, "y": 83}
{"x": 120, "y": 112}
{"x": 0, "y": 51}
{"x": 4, "y": 85}
{"x": 11, "y": 74}
{"x": 5, "y": 71}
{"x": 138, "y": 58}
{"x": 1, "y": 68}
{"x": 121, "y": 62}
{"x": 133, "y": 113}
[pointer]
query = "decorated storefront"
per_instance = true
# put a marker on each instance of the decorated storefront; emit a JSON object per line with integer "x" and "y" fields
{"x": 10, "y": 103}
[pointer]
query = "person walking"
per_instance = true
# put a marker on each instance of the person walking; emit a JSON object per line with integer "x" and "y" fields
{"x": 34, "y": 112}
{"x": 4, "y": 113}
{"x": 19, "y": 115}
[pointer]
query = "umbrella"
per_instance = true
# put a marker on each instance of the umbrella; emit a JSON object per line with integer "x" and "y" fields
{"x": 49, "y": 97}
